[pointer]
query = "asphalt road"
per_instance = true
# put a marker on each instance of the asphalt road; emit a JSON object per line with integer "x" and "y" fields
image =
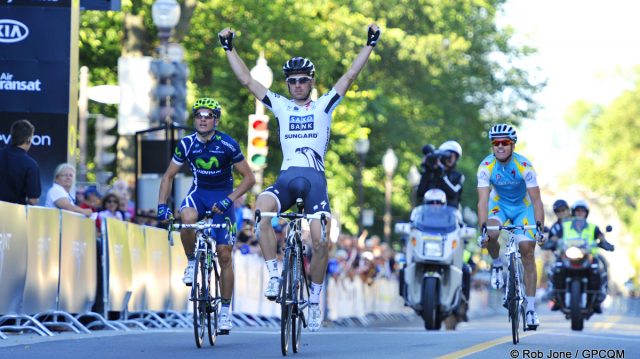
{"x": 604, "y": 336}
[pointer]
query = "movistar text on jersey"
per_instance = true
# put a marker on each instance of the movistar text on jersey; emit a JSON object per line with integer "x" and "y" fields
{"x": 9, "y": 84}
{"x": 300, "y": 135}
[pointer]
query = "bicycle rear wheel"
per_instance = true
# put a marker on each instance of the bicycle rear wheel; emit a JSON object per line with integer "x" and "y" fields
{"x": 214, "y": 304}
{"x": 298, "y": 308}
{"x": 199, "y": 296}
{"x": 512, "y": 300}
{"x": 286, "y": 304}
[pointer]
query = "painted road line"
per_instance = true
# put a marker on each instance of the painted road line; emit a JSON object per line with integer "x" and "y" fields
{"x": 482, "y": 346}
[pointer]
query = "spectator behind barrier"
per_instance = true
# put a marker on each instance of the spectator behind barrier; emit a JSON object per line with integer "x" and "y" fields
{"x": 90, "y": 199}
{"x": 59, "y": 195}
{"x": 20, "y": 180}
{"x": 126, "y": 206}
{"x": 110, "y": 205}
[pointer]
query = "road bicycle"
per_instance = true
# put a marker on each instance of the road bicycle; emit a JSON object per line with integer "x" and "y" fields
{"x": 514, "y": 296}
{"x": 294, "y": 285}
{"x": 206, "y": 299}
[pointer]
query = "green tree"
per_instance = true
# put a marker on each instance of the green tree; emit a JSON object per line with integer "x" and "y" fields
{"x": 441, "y": 71}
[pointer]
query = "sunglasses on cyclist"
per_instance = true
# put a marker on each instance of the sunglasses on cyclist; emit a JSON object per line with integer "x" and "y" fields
{"x": 300, "y": 80}
{"x": 205, "y": 115}
{"x": 503, "y": 143}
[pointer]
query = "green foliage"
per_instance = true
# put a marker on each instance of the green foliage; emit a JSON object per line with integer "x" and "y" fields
{"x": 442, "y": 70}
{"x": 609, "y": 164}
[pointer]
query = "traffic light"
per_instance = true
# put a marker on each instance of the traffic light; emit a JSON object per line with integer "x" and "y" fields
{"x": 105, "y": 151}
{"x": 257, "y": 148}
{"x": 179, "y": 97}
{"x": 169, "y": 95}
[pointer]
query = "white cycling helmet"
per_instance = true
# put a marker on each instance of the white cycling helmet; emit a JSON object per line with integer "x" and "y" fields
{"x": 502, "y": 130}
{"x": 435, "y": 196}
{"x": 580, "y": 204}
{"x": 452, "y": 146}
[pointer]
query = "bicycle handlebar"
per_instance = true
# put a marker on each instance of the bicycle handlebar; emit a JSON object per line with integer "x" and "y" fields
{"x": 288, "y": 215}
{"x": 198, "y": 226}
{"x": 511, "y": 227}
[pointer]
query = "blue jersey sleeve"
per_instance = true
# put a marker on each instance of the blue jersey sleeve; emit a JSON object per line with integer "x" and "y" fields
{"x": 180, "y": 152}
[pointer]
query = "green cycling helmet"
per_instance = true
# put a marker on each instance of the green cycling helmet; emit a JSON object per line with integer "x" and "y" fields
{"x": 207, "y": 102}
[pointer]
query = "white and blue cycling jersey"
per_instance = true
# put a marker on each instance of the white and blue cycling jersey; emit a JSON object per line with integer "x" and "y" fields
{"x": 509, "y": 199}
{"x": 303, "y": 130}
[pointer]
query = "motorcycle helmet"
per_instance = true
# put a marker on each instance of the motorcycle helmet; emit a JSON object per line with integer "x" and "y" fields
{"x": 299, "y": 65}
{"x": 435, "y": 196}
{"x": 452, "y": 146}
{"x": 209, "y": 103}
{"x": 502, "y": 130}
{"x": 558, "y": 205}
{"x": 580, "y": 204}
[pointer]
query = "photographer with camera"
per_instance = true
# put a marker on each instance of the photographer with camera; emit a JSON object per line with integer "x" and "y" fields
{"x": 438, "y": 171}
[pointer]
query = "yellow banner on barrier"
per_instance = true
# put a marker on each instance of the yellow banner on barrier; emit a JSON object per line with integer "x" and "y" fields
{"x": 159, "y": 266}
{"x": 119, "y": 271}
{"x": 139, "y": 269}
{"x": 179, "y": 292}
{"x": 43, "y": 263}
{"x": 13, "y": 256}
{"x": 78, "y": 263}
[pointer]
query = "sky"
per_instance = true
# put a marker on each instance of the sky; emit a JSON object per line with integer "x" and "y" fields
{"x": 585, "y": 48}
{"x": 586, "y": 51}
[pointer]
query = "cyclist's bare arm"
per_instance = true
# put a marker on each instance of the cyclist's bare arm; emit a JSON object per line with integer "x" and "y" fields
{"x": 241, "y": 71}
{"x": 483, "y": 204}
{"x": 538, "y": 208}
{"x": 248, "y": 179}
{"x": 344, "y": 83}
{"x": 167, "y": 181}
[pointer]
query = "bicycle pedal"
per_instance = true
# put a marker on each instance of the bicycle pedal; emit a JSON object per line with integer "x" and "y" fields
{"x": 223, "y": 332}
{"x": 532, "y": 327}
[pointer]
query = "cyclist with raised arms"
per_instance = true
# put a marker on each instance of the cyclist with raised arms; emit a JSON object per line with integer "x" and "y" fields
{"x": 304, "y": 127}
{"x": 508, "y": 190}
{"x": 212, "y": 155}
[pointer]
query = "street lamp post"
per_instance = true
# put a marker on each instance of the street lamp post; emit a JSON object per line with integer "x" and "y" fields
{"x": 414, "y": 181}
{"x": 362, "y": 147}
{"x": 389, "y": 162}
{"x": 165, "y": 15}
{"x": 263, "y": 74}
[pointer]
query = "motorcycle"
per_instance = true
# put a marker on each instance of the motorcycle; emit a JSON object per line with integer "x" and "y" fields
{"x": 431, "y": 280}
{"x": 577, "y": 280}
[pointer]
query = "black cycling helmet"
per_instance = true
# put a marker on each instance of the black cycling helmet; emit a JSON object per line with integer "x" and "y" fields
{"x": 559, "y": 204}
{"x": 299, "y": 65}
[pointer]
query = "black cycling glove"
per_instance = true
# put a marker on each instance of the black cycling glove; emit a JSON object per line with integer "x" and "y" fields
{"x": 372, "y": 37}
{"x": 226, "y": 42}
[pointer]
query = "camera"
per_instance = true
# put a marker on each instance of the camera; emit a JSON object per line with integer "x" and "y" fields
{"x": 432, "y": 156}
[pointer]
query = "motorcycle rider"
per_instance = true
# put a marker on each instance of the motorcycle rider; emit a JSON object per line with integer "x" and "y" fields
{"x": 578, "y": 227}
{"x": 563, "y": 213}
{"x": 439, "y": 171}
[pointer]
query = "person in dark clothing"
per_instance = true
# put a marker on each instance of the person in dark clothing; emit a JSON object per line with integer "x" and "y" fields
{"x": 438, "y": 171}
{"x": 20, "y": 182}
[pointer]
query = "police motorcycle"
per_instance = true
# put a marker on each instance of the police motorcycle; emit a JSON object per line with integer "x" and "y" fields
{"x": 577, "y": 280}
{"x": 431, "y": 280}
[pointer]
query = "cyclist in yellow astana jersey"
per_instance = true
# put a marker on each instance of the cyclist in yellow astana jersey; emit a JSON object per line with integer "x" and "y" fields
{"x": 508, "y": 191}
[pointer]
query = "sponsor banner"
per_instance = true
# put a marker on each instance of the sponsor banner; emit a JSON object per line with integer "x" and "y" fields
{"x": 35, "y": 57}
{"x": 48, "y": 145}
{"x": 36, "y": 3}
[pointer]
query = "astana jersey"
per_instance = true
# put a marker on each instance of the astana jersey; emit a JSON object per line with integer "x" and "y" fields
{"x": 303, "y": 130}
{"x": 509, "y": 180}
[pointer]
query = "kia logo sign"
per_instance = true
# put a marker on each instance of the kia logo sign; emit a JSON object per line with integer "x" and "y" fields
{"x": 12, "y": 31}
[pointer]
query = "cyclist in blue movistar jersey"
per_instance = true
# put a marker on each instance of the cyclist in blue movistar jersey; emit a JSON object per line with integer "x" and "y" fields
{"x": 508, "y": 190}
{"x": 304, "y": 127}
{"x": 211, "y": 155}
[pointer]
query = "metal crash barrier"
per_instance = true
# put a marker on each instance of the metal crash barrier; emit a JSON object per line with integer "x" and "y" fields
{"x": 54, "y": 270}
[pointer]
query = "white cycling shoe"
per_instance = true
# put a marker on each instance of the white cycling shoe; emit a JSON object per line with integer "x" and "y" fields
{"x": 225, "y": 322}
{"x": 532, "y": 319}
{"x": 273, "y": 288}
{"x": 497, "y": 279}
{"x": 315, "y": 317}
{"x": 188, "y": 273}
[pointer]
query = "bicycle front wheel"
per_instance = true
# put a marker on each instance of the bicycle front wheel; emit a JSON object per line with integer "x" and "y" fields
{"x": 300, "y": 285}
{"x": 199, "y": 296}
{"x": 213, "y": 311}
{"x": 512, "y": 299}
{"x": 286, "y": 304}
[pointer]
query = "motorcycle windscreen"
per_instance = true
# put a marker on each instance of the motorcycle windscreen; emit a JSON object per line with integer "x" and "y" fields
{"x": 434, "y": 219}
